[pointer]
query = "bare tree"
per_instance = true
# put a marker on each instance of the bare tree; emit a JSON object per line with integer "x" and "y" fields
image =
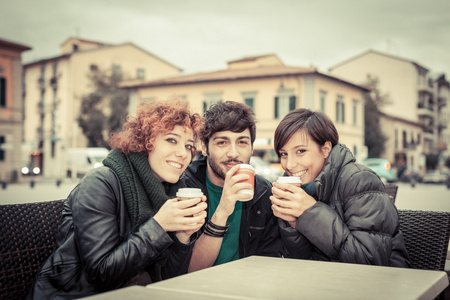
{"x": 375, "y": 140}
{"x": 104, "y": 110}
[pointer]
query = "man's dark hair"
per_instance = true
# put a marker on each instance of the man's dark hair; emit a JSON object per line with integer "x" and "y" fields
{"x": 229, "y": 115}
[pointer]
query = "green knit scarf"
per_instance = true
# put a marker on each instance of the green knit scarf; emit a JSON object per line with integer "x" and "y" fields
{"x": 144, "y": 194}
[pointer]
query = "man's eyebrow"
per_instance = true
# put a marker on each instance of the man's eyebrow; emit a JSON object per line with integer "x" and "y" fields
{"x": 221, "y": 138}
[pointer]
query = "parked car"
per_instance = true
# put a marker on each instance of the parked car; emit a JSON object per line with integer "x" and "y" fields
{"x": 81, "y": 160}
{"x": 264, "y": 169}
{"x": 435, "y": 176}
{"x": 410, "y": 174}
{"x": 382, "y": 167}
{"x": 28, "y": 170}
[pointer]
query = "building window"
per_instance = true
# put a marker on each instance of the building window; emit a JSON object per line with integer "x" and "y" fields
{"x": 323, "y": 96}
{"x": 210, "y": 99}
{"x": 340, "y": 109}
{"x": 396, "y": 138}
{"x": 405, "y": 140}
{"x": 2, "y": 92}
{"x": 250, "y": 102}
{"x": 284, "y": 103}
{"x": 93, "y": 68}
{"x": 116, "y": 70}
{"x": 355, "y": 112}
{"x": 249, "y": 99}
{"x": 2, "y": 152}
{"x": 74, "y": 47}
{"x": 140, "y": 73}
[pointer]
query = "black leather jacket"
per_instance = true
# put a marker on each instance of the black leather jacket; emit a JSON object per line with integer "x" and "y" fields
{"x": 259, "y": 233}
{"x": 353, "y": 221}
{"x": 97, "y": 250}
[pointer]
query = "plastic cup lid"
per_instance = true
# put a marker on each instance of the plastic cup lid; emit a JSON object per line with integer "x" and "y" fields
{"x": 189, "y": 192}
{"x": 289, "y": 179}
{"x": 246, "y": 166}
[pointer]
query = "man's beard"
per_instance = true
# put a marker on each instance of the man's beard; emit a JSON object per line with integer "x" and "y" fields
{"x": 217, "y": 170}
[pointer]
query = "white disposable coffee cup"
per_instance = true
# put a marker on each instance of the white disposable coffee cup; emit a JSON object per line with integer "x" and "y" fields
{"x": 249, "y": 170}
{"x": 294, "y": 180}
{"x": 188, "y": 193}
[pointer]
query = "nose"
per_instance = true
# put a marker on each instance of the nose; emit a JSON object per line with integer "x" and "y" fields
{"x": 291, "y": 163}
{"x": 232, "y": 151}
{"x": 182, "y": 152}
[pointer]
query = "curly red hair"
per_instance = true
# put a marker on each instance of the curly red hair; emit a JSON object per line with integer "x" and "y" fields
{"x": 138, "y": 133}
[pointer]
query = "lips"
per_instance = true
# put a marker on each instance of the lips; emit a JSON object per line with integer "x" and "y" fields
{"x": 229, "y": 165}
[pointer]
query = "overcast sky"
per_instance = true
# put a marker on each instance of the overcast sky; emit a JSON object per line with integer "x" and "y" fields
{"x": 203, "y": 35}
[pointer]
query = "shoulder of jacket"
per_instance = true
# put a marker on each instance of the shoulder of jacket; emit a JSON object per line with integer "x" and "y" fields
{"x": 102, "y": 172}
{"x": 261, "y": 181}
{"x": 357, "y": 178}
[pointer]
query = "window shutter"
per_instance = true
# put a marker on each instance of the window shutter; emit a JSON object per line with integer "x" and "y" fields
{"x": 276, "y": 108}
{"x": 2, "y": 92}
{"x": 292, "y": 103}
{"x": 204, "y": 106}
{"x": 2, "y": 152}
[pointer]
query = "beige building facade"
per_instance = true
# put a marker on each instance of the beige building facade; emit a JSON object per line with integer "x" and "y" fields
{"x": 11, "y": 109}
{"x": 412, "y": 118}
{"x": 55, "y": 86}
{"x": 272, "y": 89}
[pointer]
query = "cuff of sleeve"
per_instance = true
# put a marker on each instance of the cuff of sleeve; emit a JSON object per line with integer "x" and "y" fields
{"x": 184, "y": 247}
{"x": 155, "y": 232}
{"x": 286, "y": 229}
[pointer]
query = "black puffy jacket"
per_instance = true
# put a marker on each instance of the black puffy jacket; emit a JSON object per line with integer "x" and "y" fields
{"x": 353, "y": 221}
{"x": 97, "y": 249}
{"x": 259, "y": 233}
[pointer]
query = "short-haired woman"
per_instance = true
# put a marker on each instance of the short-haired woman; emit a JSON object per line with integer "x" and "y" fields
{"x": 122, "y": 224}
{"x": 341, "y": 213}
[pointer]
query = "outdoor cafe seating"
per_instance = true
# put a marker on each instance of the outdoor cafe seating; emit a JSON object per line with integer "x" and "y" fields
{"x": 27, "y": 238}
{"x": 28, "y": 233}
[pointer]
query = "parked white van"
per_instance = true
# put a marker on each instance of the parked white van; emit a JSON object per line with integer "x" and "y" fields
{"x": 81, "y": 160}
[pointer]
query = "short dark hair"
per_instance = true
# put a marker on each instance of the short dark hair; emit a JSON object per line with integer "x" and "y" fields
{"x": 315, "y": 123}
{"x": 229, "y": 115}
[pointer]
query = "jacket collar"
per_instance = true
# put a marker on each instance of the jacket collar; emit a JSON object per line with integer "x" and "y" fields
{"x": 339, "y": 156}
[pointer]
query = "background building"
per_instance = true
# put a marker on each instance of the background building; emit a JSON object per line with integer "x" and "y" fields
{"x": 11, "y": 109}
{"x": 54, "y": 88}
{"x": 272, "y": 89}
{"x": 415, "y": 121}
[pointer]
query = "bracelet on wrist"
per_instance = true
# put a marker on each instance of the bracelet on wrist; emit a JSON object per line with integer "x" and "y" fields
{"x": 218, "y": 227}
{"x": 214, "y": 233}
{"x": 211, "y": 230}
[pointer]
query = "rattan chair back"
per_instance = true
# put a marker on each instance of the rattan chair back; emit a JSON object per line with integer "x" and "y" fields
{"x": 28, "y": 234}
{"x": 426, "y": 235}
{"x": 391, "y": 190}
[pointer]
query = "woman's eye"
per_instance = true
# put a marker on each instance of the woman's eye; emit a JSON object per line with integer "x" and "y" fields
{"x": 283, "y": 154}
{"x": 189, "y": 147}
{"x": 301, "y": 151}
{"x": 171, "y": 140}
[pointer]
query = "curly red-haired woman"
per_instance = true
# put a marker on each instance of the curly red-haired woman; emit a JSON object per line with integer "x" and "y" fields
{"x": 122, "y": 225}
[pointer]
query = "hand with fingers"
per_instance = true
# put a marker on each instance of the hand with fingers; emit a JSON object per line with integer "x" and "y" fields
{"x": 182, "y": 217}
{"x": 232, "y": 185}
{"x": 289, "y": 202}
